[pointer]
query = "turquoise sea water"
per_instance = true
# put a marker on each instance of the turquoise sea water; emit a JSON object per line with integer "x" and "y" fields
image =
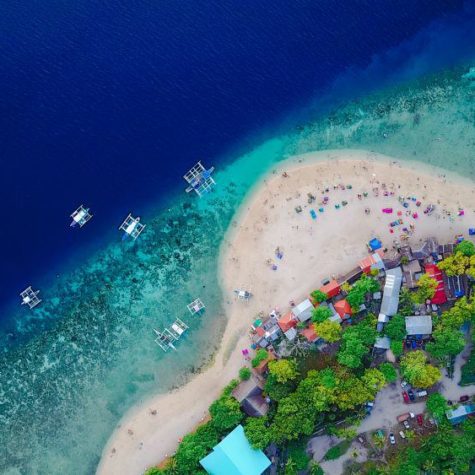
{"x": 87, "y": 354}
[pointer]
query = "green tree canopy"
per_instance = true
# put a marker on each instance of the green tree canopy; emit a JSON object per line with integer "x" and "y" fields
{"x": 447, "y": 342}
{"x": 437, "y": 406}
{"x": 406, "y": 303}
{"x": 389, "y": 372}
{"x": 396, "y": 328}
{"x": 261, "y": 355}
{"x": 458, "y": 264}
{"x": 244, "y": 373}
{"x": 426, "y": 287}
{"x": 374, "y": 380}
{"x": 417, "y": 372}
{"x": 284, "y": 370}
{"x": 328, "y": 330}
{"x": 225, "y": 413}
{"x": 257, "y": 432}
{"x": 356, "y": 343}
{"x": 397, "y": 348}
{"x": 467, "y": 248}
{"x": 321, "y": 313}
{"x": 364, "y": 285}
{"x": 319, "y": 296}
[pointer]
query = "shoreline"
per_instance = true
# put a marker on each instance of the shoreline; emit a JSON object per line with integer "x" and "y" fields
{"x": 263, "y": 221}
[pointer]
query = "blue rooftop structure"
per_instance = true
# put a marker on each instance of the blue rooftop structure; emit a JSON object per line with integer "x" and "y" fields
{"x": 375, "y": 244}
{"x": 235, "y": 456}
{"x": 455, "y": 416}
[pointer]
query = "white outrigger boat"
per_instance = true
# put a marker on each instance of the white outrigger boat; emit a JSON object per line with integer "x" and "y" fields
{"x": 199, "y": 178}
{"x": 80, "y": 217}
{"x": 178, "y": 328}
{"x": 30, "y": 297}
{"x": 132, "y": 227}
{"x": 164, "y": 340}
{"x": 195, "y": 307}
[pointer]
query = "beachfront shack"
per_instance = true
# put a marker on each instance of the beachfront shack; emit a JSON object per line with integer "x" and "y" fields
{"x": 235, "y": 456}
{"x": 419, "y": 326}
{"x": 287, "y": 324}
{"x": 433, "y": 271}
{"x": 343, "y": 309}
{"x": 458, "y": 415}
{"x": 390, "y": 302}
{"x": 332, "y": 288}
{"x": 249, "y": 394}
{"x": 373, "y": 261}
{"x": 303, "y": 311}
{"x": 412, "y": 271}
{"x": 430, "y": 247}
{"x": 309, "y": 334}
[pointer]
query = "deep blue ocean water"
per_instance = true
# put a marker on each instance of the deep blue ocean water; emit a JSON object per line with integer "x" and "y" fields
{"x": 108, "y": 103}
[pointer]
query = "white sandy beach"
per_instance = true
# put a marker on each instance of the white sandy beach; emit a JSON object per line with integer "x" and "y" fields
{"x": 313, "y": 250}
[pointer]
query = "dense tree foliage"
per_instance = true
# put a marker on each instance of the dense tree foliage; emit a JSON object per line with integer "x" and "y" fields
{"x": 406, "y": 303}
{"x": 283, "y": 370}
{"x": 436, "y": 405}
{"x": 459, "y": 263}
{"x": 356, "y": 343}
{"x": 467, "y": 248}
{"x": 321, "y": 313}
{"x": 397, "y": 347}
{"x": 426, "y": 287}
{"x": 388, "y": 371}
{"x": 360, "y": 288}
{"x": 447, "y": 342}
{"x": 244, "y": 373}
{"x": 319, "y": 296}
{"x": 328, "y": 330}
{"x": 257, "y": 433}
{"x": 415, "y": 369}
{"x": 396, "y": 328}
{"x": 226, "y": 413}
{"x": 261, "y": 355}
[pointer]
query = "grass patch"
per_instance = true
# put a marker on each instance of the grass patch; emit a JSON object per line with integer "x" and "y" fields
{"x": 338, "y": 450}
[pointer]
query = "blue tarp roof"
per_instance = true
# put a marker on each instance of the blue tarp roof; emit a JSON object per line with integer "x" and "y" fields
{"x": 235, "y": 456}
{"x": 375, "y": 244}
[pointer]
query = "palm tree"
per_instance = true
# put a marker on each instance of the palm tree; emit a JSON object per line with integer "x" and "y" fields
{"x": 429, "y": 466}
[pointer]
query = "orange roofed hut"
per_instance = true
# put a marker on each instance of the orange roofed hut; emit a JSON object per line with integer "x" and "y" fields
{"x": 343, "y": 308}
{"x": 309, "y": 334}
{"x": 287, "y": 321}
{"x": 332, "y": 289}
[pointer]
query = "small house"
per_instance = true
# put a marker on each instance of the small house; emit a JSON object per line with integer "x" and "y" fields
{"x": 343, "y": 309}
{"x": 373, "y": 261}
{"x": 234, "y": 455}
{"x": 309, "y": 334}
{"x": 412, "y": 271}
{"x": 419, "y": 325}
{"x": 332, "y": 289}
{"x": 263, "y": 366}
{"x": 249, "y": 394}
{"x": 382, "y": 343}
{"x": 287, "y": 321}
{"x": 458, "y": 415}
{"x": 303, "y": 311}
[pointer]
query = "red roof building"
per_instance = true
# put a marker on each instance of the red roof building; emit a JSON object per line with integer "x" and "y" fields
{"x": 287, "y": 321}
{"x": 332, "y": 289}
{"x": 433, "y": 271}
{"x": 343, "y": 308}
{"x": 373, "y": 261}
{"x": 309, "y": 334}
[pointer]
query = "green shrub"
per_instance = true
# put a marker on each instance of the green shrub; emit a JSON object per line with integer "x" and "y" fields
{"x": 244, "y": 373}
{"x": 261, "y": 355}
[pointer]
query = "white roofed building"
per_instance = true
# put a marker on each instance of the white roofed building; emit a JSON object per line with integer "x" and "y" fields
{"x": 303, "y": 311}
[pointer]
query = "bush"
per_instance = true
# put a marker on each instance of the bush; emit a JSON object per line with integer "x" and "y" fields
{"x": 338, "y": 450}
{"x": 321, "y": 314}
{"x": 244, "y": 373}
{"x": 299, "y": 455}
{"x": 389, "y": 372}
{"x": 261, "y": 355}
{"x": 225, "y": 413}
{"x": 319, "y": 296}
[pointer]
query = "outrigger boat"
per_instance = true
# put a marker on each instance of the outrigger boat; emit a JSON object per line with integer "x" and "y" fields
{"x": 30, "y": 297}
{"x": 199, "y": 178}
{"x": 80, "y": 217}
{"x": 164, "y": 340}
{"x": 131, "y": 227}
